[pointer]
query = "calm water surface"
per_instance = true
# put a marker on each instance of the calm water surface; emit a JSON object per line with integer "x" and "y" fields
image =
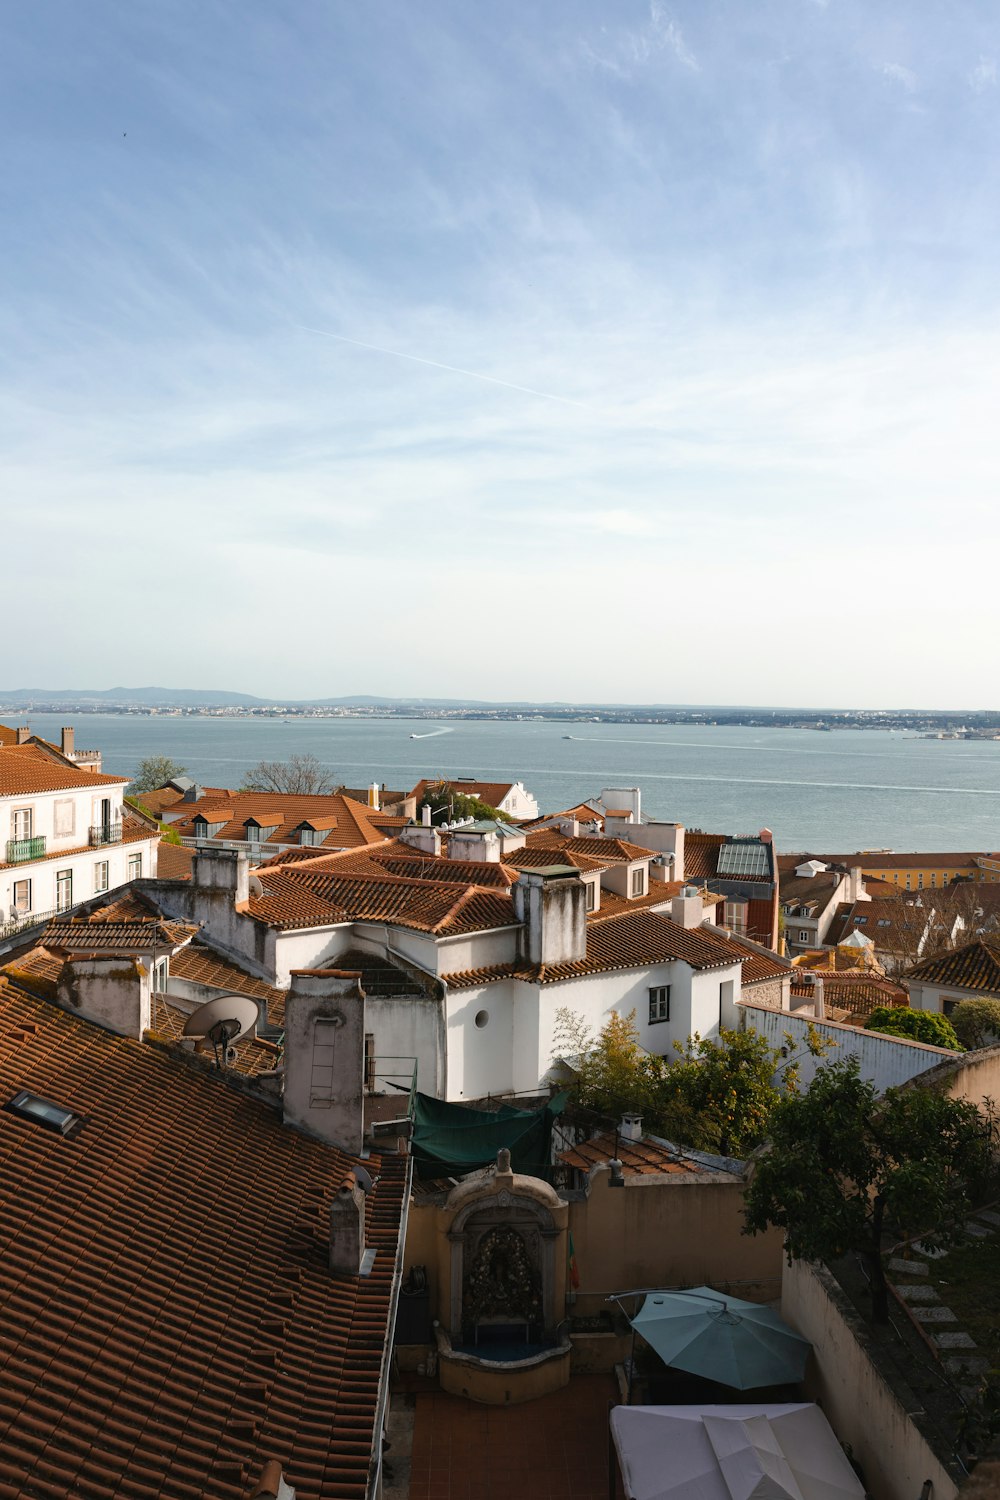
{"x": 841, "y": 791}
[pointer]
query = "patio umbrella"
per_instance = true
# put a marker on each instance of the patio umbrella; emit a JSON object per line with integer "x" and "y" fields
{"x": 735, "y": 1343}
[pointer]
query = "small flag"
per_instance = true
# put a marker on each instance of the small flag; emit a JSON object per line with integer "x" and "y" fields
{"x": 574, "y": 1274}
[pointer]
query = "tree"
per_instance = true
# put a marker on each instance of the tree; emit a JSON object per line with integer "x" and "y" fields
{"x": 301, "y": 775}
{"x": 842, "y": 1164}
{"x": 153, "y": 772}
{"x": 454, "y": 804}
{"x": 717, "y": 1097}
{"x": 976, "y": 1023}
{"x": 920, "y": 1025}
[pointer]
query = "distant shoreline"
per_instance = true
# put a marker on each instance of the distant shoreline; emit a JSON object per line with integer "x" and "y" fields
{"x": 978, "y": 725}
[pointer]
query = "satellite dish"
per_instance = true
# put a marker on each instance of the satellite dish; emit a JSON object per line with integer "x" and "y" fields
{"x": 363, "y": 1178}
{"x": 256, "y": 886}
{"x": 227, "y": 1018}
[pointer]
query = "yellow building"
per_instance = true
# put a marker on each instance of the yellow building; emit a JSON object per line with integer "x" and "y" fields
{"x": 920, "y": 872}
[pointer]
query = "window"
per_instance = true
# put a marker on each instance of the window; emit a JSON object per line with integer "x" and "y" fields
{"x": 933, "y": 877}
{"x": 920, "y": 881}
{"x": 22, "y": 895}
{"x": 64, "y": 890}
{"x": 159, "y": 976}
{"x": 803, "y": 935}
{"x": 638, "y": 882}
{"x": 44, "y": 1112}
{"x": 860, "y": 921}
{"x": 101, "y": 880}
{"x": 306, "y": 835}
{"x": 253, "y": 833}
{"x": 883, "y": 921}
{"x": 591, "y": 888}
{"x": 134, "y": 866}
{"x": 22, "y": 823}
{"x": 735, "y": 916}
{"x": 63, "y": 817}
{"x": 659, "y": 1003}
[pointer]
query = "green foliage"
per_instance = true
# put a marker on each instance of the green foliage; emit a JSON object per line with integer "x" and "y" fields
{"x": 717, "y": 1097}
{"x": 445, "y": 799}
{"x": 841, "y": 1161}
{"x": 977, "y": 1022}
{"x": 169, "y": 834}
{"x": 301, "y": 775}
{"x": 153, "y": 772}
{"x": 919, "y": 1025}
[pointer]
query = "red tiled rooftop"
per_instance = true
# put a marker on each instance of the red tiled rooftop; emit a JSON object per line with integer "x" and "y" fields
{"x": 638, "y": 1158}
{"x": 168, "y": 1320}
{"x": 25, "y": 769}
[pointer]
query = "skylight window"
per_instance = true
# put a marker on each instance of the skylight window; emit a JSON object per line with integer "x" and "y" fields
{"x": 44, "y": 1112}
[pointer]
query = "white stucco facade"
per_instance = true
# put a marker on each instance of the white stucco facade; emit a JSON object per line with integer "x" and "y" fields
{"x": 62, "y": 847}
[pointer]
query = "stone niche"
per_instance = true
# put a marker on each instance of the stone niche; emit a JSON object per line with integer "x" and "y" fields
{"x": 502, "y": 1284}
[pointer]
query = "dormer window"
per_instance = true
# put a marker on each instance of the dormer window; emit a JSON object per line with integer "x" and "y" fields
{"x": 308, "y": 835}
{"x": 253, "y": 833}
{"x": 639, "y": 882}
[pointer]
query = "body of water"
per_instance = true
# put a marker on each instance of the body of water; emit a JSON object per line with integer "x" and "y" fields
{"x": 846, "y": 790}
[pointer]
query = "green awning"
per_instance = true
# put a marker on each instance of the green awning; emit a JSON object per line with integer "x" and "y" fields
{"x": 450, "y": 1140}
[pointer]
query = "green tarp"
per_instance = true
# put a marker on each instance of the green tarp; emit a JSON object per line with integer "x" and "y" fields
{"x": 450, "y": 1140}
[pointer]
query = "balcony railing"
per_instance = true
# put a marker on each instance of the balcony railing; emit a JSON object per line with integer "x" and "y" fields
{"x": 105, "y": 833}
{"x": 21, "y": 921}
{"x": 18, "y": 850}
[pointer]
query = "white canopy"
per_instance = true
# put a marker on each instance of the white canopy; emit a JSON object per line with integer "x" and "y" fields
{"x": 777, "y": 1452}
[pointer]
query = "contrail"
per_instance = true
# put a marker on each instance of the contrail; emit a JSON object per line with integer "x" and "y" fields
{"x": 526, "y": 390}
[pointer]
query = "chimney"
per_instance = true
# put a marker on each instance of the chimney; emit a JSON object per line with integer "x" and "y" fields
{"x": 425, "y": 815}
{"x": 373, "y": 797}
{"x": 68, "y": 739}
{"x": 113, "y": 991}
{"x": 325, "y": 1056}
{"x": 819, "y": 1004}
{"x": 193, "y": 793}
{"x": 220, "y": 872}
{"x": 552, "y": 906}
{"x": 476, "y": 845}
{"x": 688, "y": 909}
{"x": 630, "y": 1128}
{"x": 423, "y": 837}
{"x": 347, "y": 1229}
{"x": 23, "y": 733}
{"x": 766, "y": 836}
{"x": 855, "y": 884}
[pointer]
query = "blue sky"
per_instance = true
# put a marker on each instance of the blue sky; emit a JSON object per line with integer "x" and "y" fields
{"x": 722, "y": 278}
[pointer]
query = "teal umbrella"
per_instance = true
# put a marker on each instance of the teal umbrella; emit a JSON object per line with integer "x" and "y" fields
{"x": 735, "y": 1343}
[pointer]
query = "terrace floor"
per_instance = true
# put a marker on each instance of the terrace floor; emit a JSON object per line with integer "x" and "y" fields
{"x": 555, "y": 1448}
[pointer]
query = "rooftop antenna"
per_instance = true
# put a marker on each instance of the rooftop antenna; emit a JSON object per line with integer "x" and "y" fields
{"x": 223, "y": 1021}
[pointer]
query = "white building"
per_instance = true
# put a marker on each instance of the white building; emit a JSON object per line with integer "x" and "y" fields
{"x": 491, "y": 953}
{"x": 63, "y": 835}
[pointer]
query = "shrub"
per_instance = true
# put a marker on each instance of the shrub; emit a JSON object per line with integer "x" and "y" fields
{"x": 977, "y": 1022}
{"x": 919, "y": 1025}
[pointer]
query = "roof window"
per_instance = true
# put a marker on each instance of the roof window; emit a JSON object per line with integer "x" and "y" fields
{"x": 44, "y": 1112}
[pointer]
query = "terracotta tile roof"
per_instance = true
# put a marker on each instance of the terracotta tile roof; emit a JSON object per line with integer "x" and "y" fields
{"x": 634, "y": 941}
{"x": 173, "y": 861}
{"x": 200, "y": 964}
{"x": 25, "y": 769}
{"x": 976, "y": 966}
{"x": 758, "y": 967}
{"x": 302, "y": 896}
{"x": 814, "y": 891}
{"x": 660, "y": 893}
{"x": 538, "y": 857}
{"x": 8, "y": 736}
{"x": 895, "y": 925}
{"x": 608, "y": 851}
{"x": 638, "y": 1158}
{"x": 701, "y": 854}
{"x": 581, "y": 813}
{"x": 854, "y": 994}
{"x": 346, "y": 823}
{"x": 168, "y": 1320}
{"x": 82, "y": 936}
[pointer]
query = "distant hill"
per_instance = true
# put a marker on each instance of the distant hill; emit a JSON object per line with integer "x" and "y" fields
{"x": 146, "y": 697}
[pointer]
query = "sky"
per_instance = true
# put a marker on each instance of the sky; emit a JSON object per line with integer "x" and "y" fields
{"x": 621, "y": 351}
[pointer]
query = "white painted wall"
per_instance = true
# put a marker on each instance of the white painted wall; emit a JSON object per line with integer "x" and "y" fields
{"x": 83, "y": 865}
{"x": 481, "y": 1057}
{"x": 886, "y": 1061}
{"x": 518, "y": 803}
{"x": 942, "y": 998}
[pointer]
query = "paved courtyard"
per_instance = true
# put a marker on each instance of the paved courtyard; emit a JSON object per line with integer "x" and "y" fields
{"x": 555, "y": 1448}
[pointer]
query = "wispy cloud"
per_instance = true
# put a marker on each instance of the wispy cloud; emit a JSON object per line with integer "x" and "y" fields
{"x": 905, "y": 77}
{"x": 624, "y": 51}
{"x": 984, "y": 75}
